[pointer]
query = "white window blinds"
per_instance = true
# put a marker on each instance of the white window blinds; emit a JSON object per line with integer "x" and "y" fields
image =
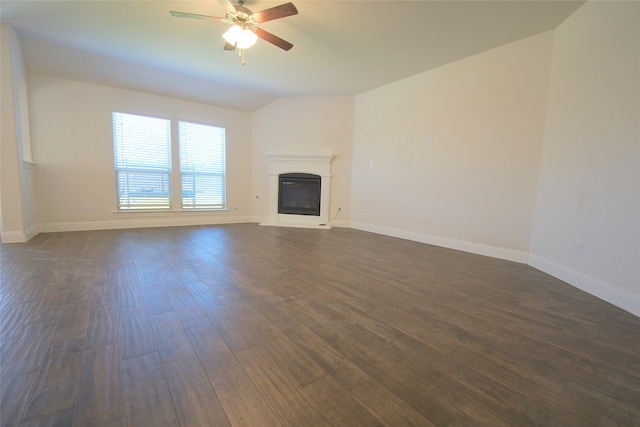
{"x": 202, "y": 166}
{"x": 142, "y": 147}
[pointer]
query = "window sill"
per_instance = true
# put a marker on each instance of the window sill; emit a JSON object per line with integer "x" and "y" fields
{"x": 196, "y": 211}
{"x": 159, "y": 212}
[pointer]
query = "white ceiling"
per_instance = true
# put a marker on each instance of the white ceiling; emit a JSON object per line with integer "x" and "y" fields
{"x": 340, "y": 47}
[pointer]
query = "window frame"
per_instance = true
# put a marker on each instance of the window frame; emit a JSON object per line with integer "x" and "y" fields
{"x": 163, "y": 170}
{"x": 223, "y": 174}
{"x": 175, "y": 173}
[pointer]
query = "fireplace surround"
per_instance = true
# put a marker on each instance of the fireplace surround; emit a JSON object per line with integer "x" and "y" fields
{"x": 299, "y": 166}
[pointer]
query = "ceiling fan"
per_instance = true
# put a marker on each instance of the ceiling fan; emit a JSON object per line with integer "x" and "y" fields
{"x": 245, "y": 31}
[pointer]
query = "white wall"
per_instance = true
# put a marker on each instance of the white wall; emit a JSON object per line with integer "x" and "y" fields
{"x": 73, "y": 147}
{"x": 17, "y": 189}
{"x": 305, "y": 126}
{"x": 459, "y": 146}
{"x": 589, "y": 186}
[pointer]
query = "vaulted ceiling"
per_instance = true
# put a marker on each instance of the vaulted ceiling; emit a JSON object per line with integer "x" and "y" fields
{"x": 340, "y": 47}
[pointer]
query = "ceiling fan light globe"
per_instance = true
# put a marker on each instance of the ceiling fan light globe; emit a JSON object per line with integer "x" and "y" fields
{"x": 247, "y": 39}
{"x": 233, "y": 34}
{"x": 240, "y": 37}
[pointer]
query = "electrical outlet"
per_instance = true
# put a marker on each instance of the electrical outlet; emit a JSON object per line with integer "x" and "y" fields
{"x": 579, "y": 247}
{"x": 423, "y": 219}
{"x": 403, "y": 216}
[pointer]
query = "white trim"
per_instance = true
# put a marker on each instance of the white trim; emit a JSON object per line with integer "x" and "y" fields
{"x": 258, "y": 219}
{"x": 20, "y": 236}
{"x": 605, "y": 291}
{"x": 142, "y": 222}
{"x": 293, "y": 224}
{"x": 14, "y": 237}
{"x": 169, "y": 212}
{"x": 33, "y": 231}
{"x": 475, "y": 248}
{"x": 341, "y": 223}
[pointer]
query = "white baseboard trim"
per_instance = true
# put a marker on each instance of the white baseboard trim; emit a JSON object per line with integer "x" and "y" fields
{"x": 146, "y": 221}
{"x": 475, "y": 248}
{"x": 605, "y": 291}
{"x": 342, "y": 223}
{"x": 14, "y": 237}
{"x": 33, "y": 231}
{"x": 338, "y": 223}
{"x": 20, "y": 236}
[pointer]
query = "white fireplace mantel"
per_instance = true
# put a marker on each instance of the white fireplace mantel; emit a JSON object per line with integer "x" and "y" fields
{"x": 312, "y": 164}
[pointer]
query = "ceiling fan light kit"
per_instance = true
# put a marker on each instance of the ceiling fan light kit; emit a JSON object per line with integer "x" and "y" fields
{"x": 245, "y": 31}
{"x": 240, "y": 37}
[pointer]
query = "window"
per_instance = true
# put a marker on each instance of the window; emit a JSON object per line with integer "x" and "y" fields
{"x": 202, "y": 166}
{"x": 143, "y": 164}
{"x": 142, "y": 147}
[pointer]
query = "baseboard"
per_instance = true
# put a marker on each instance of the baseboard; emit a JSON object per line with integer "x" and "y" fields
{"x": 605, "y": 291}
{"x": 14, "y": 237}
{"x": 476, "y": 248}
{"x": 19, "y": 236}
{"x": 144, "y": 221}
{"x": 334, "y": 223}
{"x": 341, "y": 223}
{"x": 294, "y": 225}
{"x": 33, "y": 231}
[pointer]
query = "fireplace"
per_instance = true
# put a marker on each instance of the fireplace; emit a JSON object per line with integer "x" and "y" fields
{"x": 299, "y": 194}
{"x": 305, "y": 201}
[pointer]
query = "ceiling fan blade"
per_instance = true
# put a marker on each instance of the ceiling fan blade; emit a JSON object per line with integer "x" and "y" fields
{"x": 196, "y": 16}
{"x": 240, "y": 8}
{"x": 229, "y": 46}
{"x": 277, "y": 12}
{"x": 275, "y": 40}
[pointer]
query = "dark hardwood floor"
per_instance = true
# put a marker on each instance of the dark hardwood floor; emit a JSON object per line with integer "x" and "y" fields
{"x": 242, "y": 325}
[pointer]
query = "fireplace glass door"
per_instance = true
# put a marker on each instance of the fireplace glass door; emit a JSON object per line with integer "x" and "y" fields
{"x": 299, "y": 194}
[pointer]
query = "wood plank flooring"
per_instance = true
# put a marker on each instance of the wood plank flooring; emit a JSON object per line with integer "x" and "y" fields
{"x": 242, "y": 325}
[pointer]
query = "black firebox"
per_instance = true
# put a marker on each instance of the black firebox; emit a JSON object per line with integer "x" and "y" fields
{"x": 299, "y": 194}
